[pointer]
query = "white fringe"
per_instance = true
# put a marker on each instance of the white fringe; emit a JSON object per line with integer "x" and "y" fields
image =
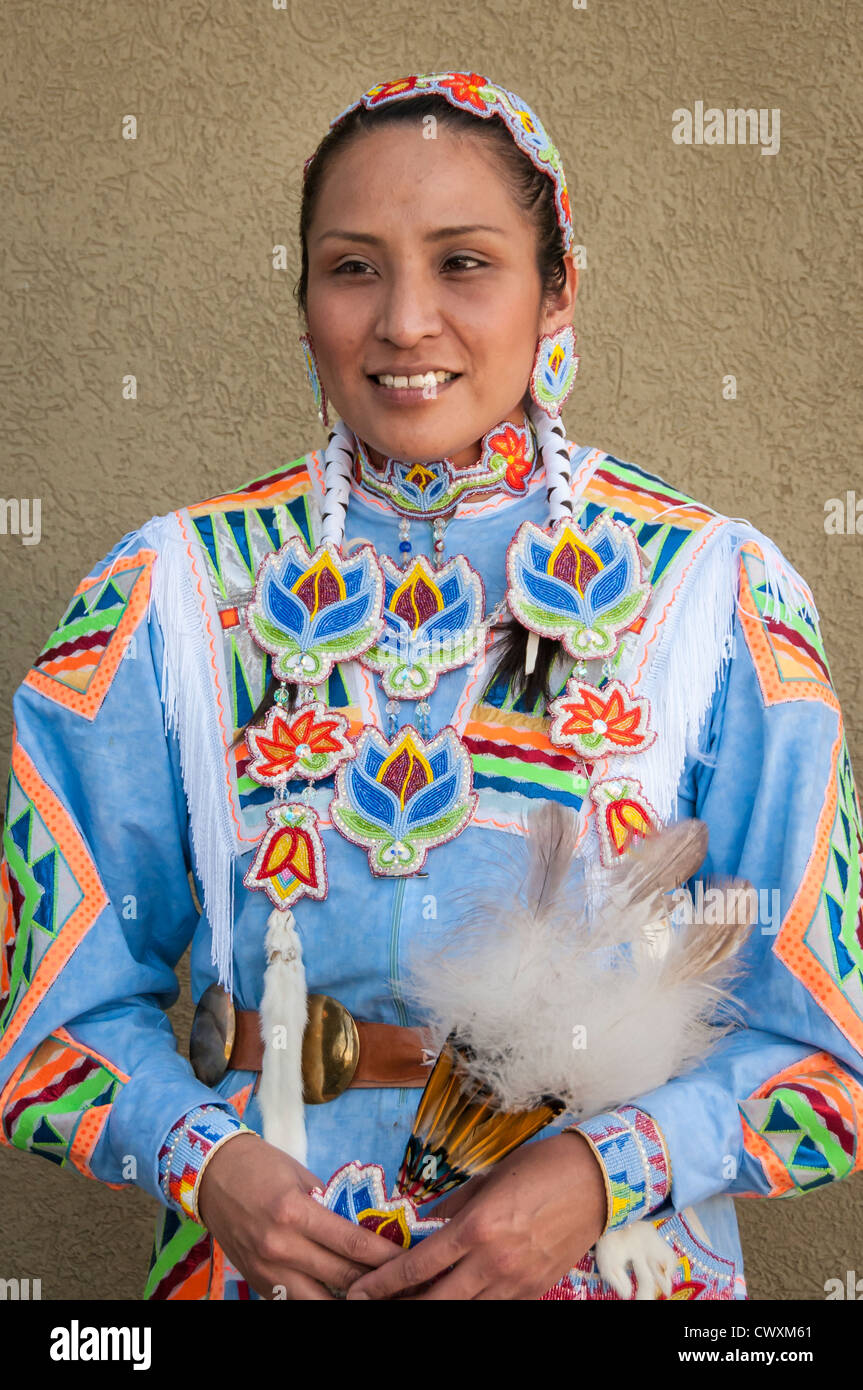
{"x": 693, "y": 653}
{"x": 190, "y": 708}
{"x": 284, "y": 1011}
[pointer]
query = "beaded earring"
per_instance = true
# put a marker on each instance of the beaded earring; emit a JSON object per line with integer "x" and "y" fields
{"x": 554, "y": 369}
{"x": 311, "y": 364}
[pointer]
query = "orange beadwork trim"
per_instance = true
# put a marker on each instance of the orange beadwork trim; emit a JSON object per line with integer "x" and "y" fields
{"x": 774, "y": 689}
{"x": 65, "y": 1036}
{"x": 70, "y": 842}
{"x": 778, "y": 1175}
{"x": 89, "y": 702}
{"x": 85, "y": 1139}
{"x": 790, "y": 946}
{"x": 51, "y": 1058}
{"x": 644, "y": 506}
{"x": 285, "y": 487}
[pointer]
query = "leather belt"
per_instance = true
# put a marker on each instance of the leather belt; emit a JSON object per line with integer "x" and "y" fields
{"x": 338, "y": 1050}
{"x": 389, "y": 1054}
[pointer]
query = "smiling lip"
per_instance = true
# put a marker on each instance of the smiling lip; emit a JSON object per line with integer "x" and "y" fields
{"x": 410, "y": 395}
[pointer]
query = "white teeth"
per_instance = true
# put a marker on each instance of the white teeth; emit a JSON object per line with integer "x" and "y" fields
{"x": 423, "y": 380}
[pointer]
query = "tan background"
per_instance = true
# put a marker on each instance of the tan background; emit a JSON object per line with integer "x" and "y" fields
{"x": 153, "y": 257}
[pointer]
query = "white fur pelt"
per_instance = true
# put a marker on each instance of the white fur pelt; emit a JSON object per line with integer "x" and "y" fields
{"x": 638, "y": 1247}
{"x": 284, "y": 1011}
{"x": 567, "y": 981}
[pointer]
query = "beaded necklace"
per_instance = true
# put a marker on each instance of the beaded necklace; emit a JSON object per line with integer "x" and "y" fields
{"x": 402, "y": 792}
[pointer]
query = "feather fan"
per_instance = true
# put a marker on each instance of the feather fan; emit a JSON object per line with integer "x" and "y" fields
{"x": 564, "y": 988}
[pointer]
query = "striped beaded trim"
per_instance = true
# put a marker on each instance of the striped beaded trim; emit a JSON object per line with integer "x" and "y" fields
{"x": 632, "y": 1151}
{"x": 187, "y": 1151}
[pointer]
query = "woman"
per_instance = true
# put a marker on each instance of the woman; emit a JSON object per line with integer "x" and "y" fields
{"x": 438, "y": 286}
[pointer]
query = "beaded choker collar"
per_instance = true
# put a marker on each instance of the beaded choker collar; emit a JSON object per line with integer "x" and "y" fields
{"x": 508, "y": 459}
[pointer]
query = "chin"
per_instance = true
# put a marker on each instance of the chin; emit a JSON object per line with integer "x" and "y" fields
{"x": 417, "y": 441}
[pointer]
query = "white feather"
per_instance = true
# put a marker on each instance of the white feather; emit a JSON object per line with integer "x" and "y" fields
{"x": 565, "y": 981}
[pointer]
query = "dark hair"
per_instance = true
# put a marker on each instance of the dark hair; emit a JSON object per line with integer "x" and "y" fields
{"x": 533, "y": 191}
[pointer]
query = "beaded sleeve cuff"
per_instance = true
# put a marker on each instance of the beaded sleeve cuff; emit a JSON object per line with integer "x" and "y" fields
{"x": 631, "y": 1149}
{"x": 188, "y": 1149}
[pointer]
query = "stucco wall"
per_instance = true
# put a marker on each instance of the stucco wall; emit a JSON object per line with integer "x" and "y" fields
{"x": 153, "y": 257}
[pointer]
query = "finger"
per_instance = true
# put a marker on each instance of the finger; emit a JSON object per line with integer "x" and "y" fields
{"x": 300, "y": 1288}
{"x": 335, "y": 1233}
{"x": 433, "y": 1255}
{"x": 317, "y": 1261}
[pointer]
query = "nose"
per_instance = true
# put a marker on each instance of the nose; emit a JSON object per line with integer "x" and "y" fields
{"x": 408, "y": 309}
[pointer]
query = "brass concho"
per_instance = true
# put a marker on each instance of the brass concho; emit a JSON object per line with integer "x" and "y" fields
{"x": 212, "y": 1037}
{"x": 331, "y": 1050}
{"x": 331, "y": 1044}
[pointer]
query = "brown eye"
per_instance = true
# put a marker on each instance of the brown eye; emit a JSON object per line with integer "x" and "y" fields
{"x": 467, "y": 262}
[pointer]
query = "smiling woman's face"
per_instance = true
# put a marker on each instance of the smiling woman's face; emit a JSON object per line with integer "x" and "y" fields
{"x": 420, "y": 260}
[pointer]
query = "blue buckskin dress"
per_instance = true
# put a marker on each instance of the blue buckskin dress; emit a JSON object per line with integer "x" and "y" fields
{"x": 99, "y": 841}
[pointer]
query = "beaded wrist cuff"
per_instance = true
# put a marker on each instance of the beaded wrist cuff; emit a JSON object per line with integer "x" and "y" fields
{"x": 188, "y": 1149}
{"x": 632, "y": 1152}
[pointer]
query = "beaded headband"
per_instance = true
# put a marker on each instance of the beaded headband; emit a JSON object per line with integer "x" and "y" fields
{"x": 471, "y": 92}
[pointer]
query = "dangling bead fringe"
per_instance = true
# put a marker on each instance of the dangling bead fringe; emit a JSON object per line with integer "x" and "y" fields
{"x": 191, "y": 710}
{"x": 703, "y": 626}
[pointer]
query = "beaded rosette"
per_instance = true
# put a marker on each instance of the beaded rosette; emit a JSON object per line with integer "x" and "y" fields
{"x": 357, "y": 1192}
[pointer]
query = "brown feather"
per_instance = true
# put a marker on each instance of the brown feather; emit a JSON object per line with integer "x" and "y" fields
{"x": 462, "y": 1130}
{"x": 552, "y": 830}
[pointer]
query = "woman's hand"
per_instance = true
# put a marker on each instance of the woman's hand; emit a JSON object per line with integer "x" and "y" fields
{"x": 512, "y": 1234}
{"x": 254, "y": 1199}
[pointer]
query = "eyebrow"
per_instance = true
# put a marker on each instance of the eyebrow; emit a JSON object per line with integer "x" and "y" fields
{"x": 442, "y": 234}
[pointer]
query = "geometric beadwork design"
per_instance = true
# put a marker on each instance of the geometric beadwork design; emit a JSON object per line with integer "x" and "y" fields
{"x": 78, "y": 662}
{"x": 59, "y": 1104}
{"x": 51, "y": 894}
{"x": 821, "y": 939}
{"x": 808, "y": 1120}
{"x": 698, "y": 1273}
{"x": 42, "y": 895}
{"x": 235, "y": 542}
{"x": 186, "y": 1262}
{"x": 662, "y": 518}
{"x": 633, "y": 1154}
{"x": 784, "y": 642}
{"x": 513, "y": 755}
{"x": 834, "y": 936}
{"x": 180, "y": 1259}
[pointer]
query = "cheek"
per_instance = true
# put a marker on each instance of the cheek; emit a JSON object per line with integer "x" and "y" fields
{"x": 504, "y": 334}
{"x": 337, "y": 327}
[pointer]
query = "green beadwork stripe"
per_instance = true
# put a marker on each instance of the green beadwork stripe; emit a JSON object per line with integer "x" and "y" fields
{"x": 281, "y": 471}
{"x": 812, "y": 1125}
{"x": 515, "y": 769}
{"x": 79, "y": 1098}
{"x": 82, "y": 627}
{"x": 638, "y": 483}
{"x": 181, "y": 1242}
